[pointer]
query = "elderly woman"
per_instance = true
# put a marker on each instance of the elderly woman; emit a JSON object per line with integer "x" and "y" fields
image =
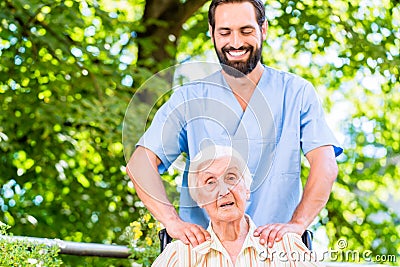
{"x": 219, "y": 182}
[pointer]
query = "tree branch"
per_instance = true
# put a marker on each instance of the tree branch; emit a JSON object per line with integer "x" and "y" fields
{"x": 155, "y": 8}
{"x": 172, "y": 14}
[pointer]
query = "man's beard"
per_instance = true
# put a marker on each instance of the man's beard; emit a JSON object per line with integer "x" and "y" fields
{"x": 239, "y": 69}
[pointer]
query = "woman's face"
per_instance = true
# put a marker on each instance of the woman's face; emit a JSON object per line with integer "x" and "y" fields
{"x": 221, "y": 190}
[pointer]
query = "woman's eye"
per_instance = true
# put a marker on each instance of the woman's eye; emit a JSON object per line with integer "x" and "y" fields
{"x": 231, "y": 178}
{"x": 210, "y": 181}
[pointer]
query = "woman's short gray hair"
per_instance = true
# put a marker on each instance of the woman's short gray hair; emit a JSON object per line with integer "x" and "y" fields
{"x": 209, "y": 155}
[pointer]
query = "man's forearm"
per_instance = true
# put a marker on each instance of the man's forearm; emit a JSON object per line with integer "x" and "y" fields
{"x": 142, "y": 170}
{"x": 323, "y": 172}
{"x": 158, "y": 205}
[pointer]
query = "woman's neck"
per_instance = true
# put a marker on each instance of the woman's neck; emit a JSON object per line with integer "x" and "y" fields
{"x": 232, "y": 235}
{"x": 231, "y": 231}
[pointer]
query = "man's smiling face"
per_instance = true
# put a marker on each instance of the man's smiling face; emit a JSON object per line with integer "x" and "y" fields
{"x": 238, "y": 38}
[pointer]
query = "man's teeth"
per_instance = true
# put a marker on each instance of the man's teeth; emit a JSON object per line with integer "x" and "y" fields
{"x": 237, "y": 53}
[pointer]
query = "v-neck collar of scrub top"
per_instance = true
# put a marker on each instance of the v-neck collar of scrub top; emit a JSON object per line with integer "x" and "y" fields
{"x": 257, "y": 112}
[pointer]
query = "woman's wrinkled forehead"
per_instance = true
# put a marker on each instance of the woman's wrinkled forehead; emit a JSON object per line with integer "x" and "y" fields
{"x": 217, "y": 167}
{"x": 221, "y": 164}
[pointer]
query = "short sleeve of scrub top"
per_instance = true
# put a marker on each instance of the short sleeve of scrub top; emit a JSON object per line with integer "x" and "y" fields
{"x": 166, "y": 135}
{"x": 314, "y": 130}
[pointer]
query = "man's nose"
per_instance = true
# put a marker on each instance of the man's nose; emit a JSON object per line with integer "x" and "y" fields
{"x": 236, "y": 40}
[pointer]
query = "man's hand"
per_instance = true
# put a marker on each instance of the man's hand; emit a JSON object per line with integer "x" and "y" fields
{"x": 270, "y": 233}
{"x": 188, "y": 233}
{"x": 142, "y": 169}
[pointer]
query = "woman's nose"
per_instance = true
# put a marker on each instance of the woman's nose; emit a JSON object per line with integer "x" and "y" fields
{"x": 223, "y": 188}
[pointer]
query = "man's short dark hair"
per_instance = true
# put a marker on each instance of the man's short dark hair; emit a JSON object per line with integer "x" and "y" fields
{"x": 258, "y": 6}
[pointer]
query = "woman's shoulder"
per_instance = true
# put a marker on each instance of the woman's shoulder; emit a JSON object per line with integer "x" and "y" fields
{"x": 173, "y": 255}
{"x": 178, "y": 246}
{"x": 293, "y": 238}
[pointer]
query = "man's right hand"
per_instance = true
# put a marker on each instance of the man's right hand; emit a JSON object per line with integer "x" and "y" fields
{"x": 142, "y": 169}
{"x": 188, "y": 233}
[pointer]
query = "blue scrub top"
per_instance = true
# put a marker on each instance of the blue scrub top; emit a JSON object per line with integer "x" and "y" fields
{"x": 283, "y": 117}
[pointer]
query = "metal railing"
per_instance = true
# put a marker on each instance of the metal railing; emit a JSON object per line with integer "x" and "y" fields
{"x": 76, "y": 248}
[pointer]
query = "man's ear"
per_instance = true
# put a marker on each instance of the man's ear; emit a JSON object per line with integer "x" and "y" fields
{"x": 210, "y": 30}
{"x": 264, "y": 28}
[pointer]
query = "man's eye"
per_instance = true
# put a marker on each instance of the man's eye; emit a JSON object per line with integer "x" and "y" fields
{"x": 225, "y": 33}
{"x": 249, "y": 31}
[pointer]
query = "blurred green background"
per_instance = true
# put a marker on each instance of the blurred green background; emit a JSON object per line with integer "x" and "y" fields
{"x": 68, "y": 70}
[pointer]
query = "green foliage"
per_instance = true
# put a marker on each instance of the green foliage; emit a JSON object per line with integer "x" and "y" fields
{"x": 141, "y": 235}
{"x": 63, "y": 101}
{"x": 195, "y": 40}
{"x": 24, "y": 253}
{"x": 143, "y": 240}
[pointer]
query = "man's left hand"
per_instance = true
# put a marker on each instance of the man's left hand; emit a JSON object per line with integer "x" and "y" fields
{"x": 270, "y": 233}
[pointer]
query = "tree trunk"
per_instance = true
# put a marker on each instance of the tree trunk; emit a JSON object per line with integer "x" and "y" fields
{"x": 163, "y": 20}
